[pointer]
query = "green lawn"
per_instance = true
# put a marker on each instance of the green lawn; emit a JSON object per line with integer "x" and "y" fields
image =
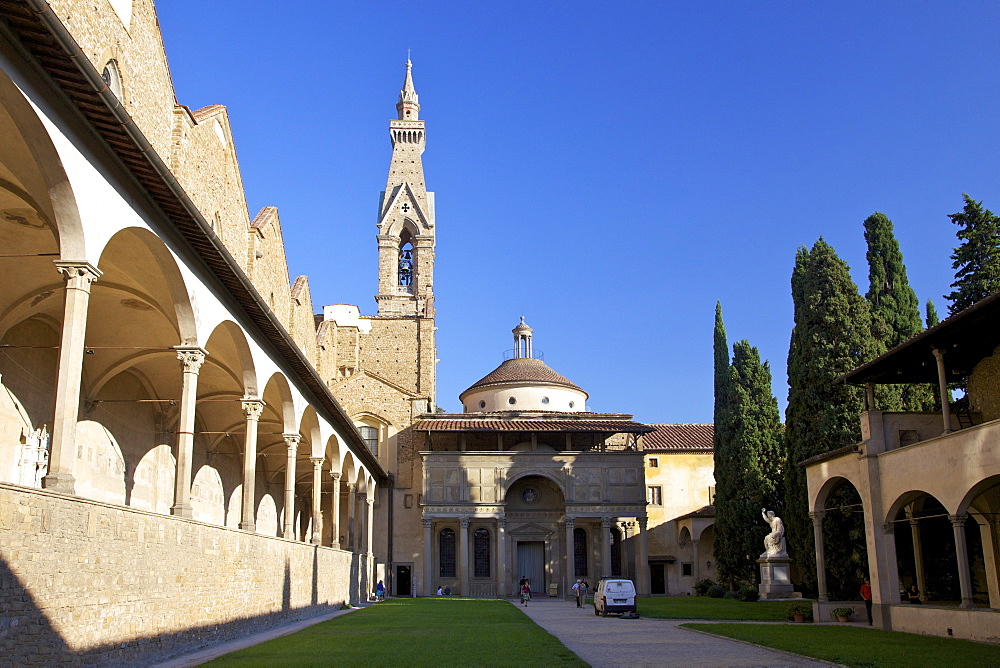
{"x": 703, "y": 607}
{"x": 857, "y": 646}
{"x": 415, "y": 632}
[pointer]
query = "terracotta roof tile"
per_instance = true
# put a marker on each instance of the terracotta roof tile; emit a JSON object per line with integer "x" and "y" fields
{"x": 679, "y": 437}
{"x": 524, "y": 370}
{"x": 494, "y": 425}
{"x": 704, "y": 511}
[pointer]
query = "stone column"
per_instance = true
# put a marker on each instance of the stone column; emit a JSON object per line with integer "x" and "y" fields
{"x": 252, "y": 409}
{"x": 317, "y": 508}
{"x": 463, "y": 555}
{"x": 292, "y": 444}
{"x": 943, "y": 389}
{"x": 918, "y": 554}
{"x": 78, "y": 276}
{"x": 642, "y": 559}
{"x": 503, "y": 579}
{"x": 962, "y": 556}
{"x": 191, "y": 359}
{"x": 335, "y": 514}
{"x": 697, "y": 560}
{"x": 370, "y": 524}
{"x": 817, "y": 518}
{"x": 606, "y": 546}
{"x": 352, "y": 489}
{"x": 361, "y": 525}
{"x": 570, "y": 577}
{"x": 428, "y": 556}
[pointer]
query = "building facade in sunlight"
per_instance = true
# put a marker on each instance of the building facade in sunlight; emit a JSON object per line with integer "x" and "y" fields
{"x": 173, "y": 468}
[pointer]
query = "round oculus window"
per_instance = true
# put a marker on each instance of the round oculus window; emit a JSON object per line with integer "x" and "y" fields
{"x": 512, "y": 401}
{"x": 482, "y": 404}
{"x": 545, "y": 400}
{"x": 572, "y": 404}
{"x": 530, "y": 495}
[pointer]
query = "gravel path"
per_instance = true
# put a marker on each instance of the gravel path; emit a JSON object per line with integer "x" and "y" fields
{"x": 610, "y": 641}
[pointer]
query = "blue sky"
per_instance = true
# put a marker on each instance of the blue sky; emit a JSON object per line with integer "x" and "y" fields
{"x": 608, "y": 170}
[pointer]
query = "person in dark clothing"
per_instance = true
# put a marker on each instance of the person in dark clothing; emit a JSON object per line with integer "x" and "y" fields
{"x": 913, "y": 595}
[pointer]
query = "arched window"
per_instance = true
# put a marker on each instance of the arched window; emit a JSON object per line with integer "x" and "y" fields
{"x": 580, "y": 552}
{"x": 481, "y": 549}
{"x": 446, "y": 553}
{"x": 405, "y": 259}
{"x": 370, "y": 434}
{"x": 113, "y": 78}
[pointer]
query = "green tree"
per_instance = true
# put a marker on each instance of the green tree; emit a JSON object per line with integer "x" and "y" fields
{"x": 756, "y": 462}
{"x": 832, "y": 335}
{"x": 977, "y": 258}
{"x": 726, "y": 485}
{"x": 931, "y": 315}
{"x": 895, "y": 310}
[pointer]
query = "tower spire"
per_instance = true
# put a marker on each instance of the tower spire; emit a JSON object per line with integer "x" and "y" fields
{"x": 407, "y": 106}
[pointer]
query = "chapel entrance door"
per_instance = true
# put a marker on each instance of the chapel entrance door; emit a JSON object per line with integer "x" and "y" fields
{"x": 403, "y": 583}
{"x": 531, "y": 564}
{"x": 657, "y": 579}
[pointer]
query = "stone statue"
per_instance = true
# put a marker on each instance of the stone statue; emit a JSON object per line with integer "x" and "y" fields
{"x": 774, "y": 542}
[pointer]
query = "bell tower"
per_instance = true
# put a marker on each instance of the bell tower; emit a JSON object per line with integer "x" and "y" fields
{"x": 406, "y": 217}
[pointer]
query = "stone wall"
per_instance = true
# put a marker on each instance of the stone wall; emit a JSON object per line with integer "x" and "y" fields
{"x": 85, "y": 582}
{"x": 982, "y": 387}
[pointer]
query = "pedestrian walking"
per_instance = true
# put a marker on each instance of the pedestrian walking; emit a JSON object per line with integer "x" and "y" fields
{"x": 525, "y": 593}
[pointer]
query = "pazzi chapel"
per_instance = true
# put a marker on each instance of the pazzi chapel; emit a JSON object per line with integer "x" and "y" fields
{"x": 191, "y": 451}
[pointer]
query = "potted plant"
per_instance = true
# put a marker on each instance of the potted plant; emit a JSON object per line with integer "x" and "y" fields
{"x": 799, "y": 612}
{"x": 843, "y": 614}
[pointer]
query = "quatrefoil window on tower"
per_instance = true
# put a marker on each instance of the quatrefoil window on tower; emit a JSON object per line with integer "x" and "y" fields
{"x": 406, "y": 207}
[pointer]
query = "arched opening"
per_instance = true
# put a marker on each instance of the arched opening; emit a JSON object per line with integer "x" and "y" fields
{"x": 925, "y": 550}
{"x": 406, "y": 259}
{"x": 845, "y": 545}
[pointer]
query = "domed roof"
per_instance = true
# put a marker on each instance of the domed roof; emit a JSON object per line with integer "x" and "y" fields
{"x": 524, "y": 370}
{"x": 522, "y": 327}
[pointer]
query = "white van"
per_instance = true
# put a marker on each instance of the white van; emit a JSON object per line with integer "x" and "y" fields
{"x": 614, "y": 596}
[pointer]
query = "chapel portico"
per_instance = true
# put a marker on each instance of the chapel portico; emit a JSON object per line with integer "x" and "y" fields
{"x": 530, "y": 491}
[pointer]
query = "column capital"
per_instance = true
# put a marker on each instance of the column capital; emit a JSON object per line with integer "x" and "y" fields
{"x": 427, "y": 522}
{"x": 502, "y": 524}
{"x": 570, "y": 521}
{"x": 464, "y": 522}
{"x": 643, "y": 522}
{"x": 292, "y": 441}
{"x": 362, "y": 496}
{"x": 77, "y": 273}
{"x": 252, "y": 407}
{"x": 606, "y": 522}
{"x": 817, "y": 517}
{"x": 351, "y": 486}
{"x": 957, "y": 520}
{"x": 889, "y": 528}
{"x": 191, "y": 357}
{"x": 335, "y": 476}
{"x": 317, "y": 462}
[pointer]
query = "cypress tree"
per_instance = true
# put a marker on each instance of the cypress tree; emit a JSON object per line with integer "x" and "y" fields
{"x": 977, "y": 258}
{"x": 726, "y": 479}
{"x": 931, "y": 315}
{"x": 895, "y": 310}
{"x": 832, "y": 335}
{"x": 757, "y": 459}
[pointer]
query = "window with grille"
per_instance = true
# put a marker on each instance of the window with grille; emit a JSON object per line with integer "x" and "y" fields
{"x": 481, "y": 551}
{"x": 446, "y": 553}
{"x": 654, "y": 462}
{"x": 580, "y": 552}
{"x": 654, "y": 495}
{"x": 370, "y": 435}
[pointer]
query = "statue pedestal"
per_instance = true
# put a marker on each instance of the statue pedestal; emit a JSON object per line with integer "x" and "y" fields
{"x": 776, "y": 577}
